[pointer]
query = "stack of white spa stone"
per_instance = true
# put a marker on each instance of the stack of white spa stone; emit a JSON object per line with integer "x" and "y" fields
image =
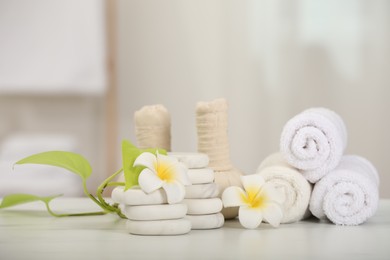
{"x": 204, "y": 206}
{"x": 150, "y": 214}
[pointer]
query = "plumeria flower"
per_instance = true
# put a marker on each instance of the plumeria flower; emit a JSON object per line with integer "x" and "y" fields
{"x": 258, "y": 201}
{"x": 165, "y": 172}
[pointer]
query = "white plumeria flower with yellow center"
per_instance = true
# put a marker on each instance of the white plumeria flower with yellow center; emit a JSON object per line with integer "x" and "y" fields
{"x": 165, "y": 172}
{"x": 258, "y": 201}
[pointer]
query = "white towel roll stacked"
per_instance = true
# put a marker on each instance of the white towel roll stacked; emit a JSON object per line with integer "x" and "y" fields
{"x": 295, "y": 187}
{"x": 345, "y": 186}
{"x": 150, "y": 214}
{"x": 204, "y": 206}
{"x": 314, "y": 142}
{"x": 349, "y": 194}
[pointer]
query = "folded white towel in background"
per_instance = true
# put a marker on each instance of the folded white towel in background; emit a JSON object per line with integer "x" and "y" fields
{"x": 296, "y": 188}
{"x": 41, "y": 180}
{"x": 314, "y": 142}
{"x": 348, "y": 195}
{"x": 22, "y": 144}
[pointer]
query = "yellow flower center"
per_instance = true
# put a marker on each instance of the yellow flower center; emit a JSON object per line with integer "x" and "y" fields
{"x": 165, "y": 171}
{"x": 252, "y": 199}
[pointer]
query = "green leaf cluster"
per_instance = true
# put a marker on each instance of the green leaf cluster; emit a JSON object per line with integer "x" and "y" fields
{"x": 77, "y": 164}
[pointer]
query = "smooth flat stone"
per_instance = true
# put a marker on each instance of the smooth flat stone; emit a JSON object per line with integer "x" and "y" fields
{"x": 201, "y": 191}
{"x": 156, "y": 212}
{"x": 192, "y": 160}
{"x": 136, "y": 196}
{"x": 159, "y": 227}
{"x": 203, "y": 206}
{"x": 117, "y": 195}
{"x": 210, "y": 221}
{"x": 201, "y": 176}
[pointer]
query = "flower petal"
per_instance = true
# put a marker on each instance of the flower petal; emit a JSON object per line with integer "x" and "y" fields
{"x": 146, "y": 159}
{"x": 175, "y": 191}
{"x": 253, "y": 181}
{"x": 272, "y": 193}
{"x": 233, "y": 197}
{"x": 273, "y": 214}
{"x": 167, "y": 160}
{"x": 182, "y": 174}
{"x": 148, "y": 181}
{"x": 249, "y": 217}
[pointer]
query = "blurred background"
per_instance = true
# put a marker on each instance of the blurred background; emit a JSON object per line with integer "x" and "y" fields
{"x": 72, "y": 74}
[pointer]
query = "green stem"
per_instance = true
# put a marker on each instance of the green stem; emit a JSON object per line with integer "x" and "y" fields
{"x": 91, "y": 196}
{"x": 105, "y": 183}
{"x": 115, "y": 184}
{"x": 73, "y": 214}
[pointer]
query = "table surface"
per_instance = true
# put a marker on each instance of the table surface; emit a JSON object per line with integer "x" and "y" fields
{"x": 28, "y": 232}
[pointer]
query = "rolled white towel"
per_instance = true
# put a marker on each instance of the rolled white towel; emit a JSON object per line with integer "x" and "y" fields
{"x": 314, "y": 142}
{"x": 297, "y": 189}
{"x": 349, "y": 194}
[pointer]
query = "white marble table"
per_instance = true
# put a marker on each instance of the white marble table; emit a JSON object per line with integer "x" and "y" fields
{"x": 28, "y": 232}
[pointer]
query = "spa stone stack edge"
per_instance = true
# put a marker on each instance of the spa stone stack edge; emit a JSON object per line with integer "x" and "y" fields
{"x": 201, "y": 198}
{"x": 150, "y": 214}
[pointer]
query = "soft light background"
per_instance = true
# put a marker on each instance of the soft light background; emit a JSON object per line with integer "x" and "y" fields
{"x": 270, "y": 58}
{"x": 52, "y": 89}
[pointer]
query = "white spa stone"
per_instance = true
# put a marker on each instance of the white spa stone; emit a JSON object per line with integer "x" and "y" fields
{"x": 192, "y": 160}
{"x": 201, "y": 191}
{"x": 209, "y": 221}
{"x": 156, "y": 212}
{"x": 135, "y": 196}
{"x": 203, "y": 206}
{"x": 201, "y": 176}
{"x": 117, "y": 195}
{"x": 159, "y": 227}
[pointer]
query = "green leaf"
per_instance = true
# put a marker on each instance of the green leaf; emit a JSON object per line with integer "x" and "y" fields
{"x": 129, "y": 154}
{"x": 67, "y": 160}
{"x": 16, "y": 199}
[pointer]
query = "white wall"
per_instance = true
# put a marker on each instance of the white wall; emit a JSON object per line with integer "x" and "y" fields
{"x": 270, "y": 59}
